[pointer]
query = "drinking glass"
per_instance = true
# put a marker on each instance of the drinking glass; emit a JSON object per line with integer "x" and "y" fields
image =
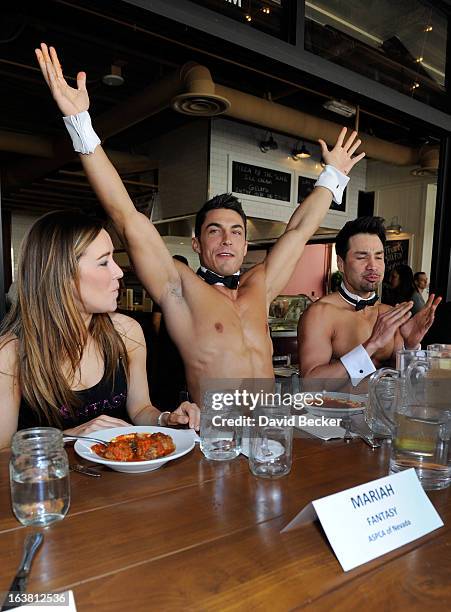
{"x": 39, "y": 476}
{"x": 383, "y": 394}
{"x": 423, "y": 423}
{"x": 422, "y": 441}
{"x": 404, "y": 358}
{"x": 220, "y": 429}
{"x": 271, "y": 442}
{"x": 443, "y": 351}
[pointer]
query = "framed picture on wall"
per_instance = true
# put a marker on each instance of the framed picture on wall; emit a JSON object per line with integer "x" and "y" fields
{"x": 305, "y": 187}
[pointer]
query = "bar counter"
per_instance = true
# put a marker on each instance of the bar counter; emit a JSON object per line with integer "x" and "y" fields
{"x": 202, "y": 535}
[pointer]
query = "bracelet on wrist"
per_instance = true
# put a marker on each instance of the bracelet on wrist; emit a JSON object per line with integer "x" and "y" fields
{"x": 162, "y": 422}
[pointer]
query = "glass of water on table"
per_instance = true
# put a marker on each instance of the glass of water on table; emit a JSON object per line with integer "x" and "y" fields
{"x": 220, "y": 427}
{"x": 271, "y": 440}
{"x": 39, "y": 476}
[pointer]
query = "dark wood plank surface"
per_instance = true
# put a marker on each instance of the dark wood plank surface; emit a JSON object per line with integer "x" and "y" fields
{"x": 201, "y": 535}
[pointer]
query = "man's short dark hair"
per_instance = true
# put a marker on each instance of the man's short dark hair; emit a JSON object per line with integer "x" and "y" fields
{"x": 224, "y": 200}
{"x": 361, "y": 225}
{"x": 417, "y": 275}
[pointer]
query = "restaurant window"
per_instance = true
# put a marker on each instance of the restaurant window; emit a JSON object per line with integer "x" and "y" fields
{"x": 398, "y": 43}
{"x": 269, "y": 16}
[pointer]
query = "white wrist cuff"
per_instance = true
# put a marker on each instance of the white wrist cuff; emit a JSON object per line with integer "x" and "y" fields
{"x": 160, "y": 419}
{"x": 80, "y": 129}
{"x": 358, "y": 364}
{"x": 334, "y": 180}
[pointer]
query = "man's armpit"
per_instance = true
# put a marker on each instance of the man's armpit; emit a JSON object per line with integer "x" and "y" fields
{"x": 175, "y": 290}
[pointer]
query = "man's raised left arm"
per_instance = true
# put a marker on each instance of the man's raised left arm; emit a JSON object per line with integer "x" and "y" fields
{"x": 281, "y": 261}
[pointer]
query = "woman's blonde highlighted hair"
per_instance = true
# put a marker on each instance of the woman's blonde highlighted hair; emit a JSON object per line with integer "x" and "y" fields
{"x": 45, "y": 318}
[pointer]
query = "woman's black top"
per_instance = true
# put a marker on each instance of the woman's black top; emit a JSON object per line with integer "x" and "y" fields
{"x": 102, "y": 398}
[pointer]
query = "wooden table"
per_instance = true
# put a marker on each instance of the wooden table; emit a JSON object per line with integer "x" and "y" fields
{"x": 201, "y": 535}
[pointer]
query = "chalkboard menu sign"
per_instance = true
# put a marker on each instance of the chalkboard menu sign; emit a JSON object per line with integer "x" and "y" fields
{"x": 305, "y": 187}
{"x": 396, "y": 252}
{"x": 261, "y": 182}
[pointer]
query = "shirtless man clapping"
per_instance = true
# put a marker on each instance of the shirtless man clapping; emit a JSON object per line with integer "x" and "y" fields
{"x": 349, "y": 334}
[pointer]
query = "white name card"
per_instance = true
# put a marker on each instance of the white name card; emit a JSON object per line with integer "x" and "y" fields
{"x": 372, "y": 519}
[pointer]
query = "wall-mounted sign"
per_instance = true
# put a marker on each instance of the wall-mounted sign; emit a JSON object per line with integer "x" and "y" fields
{"x": 305, "y": 187}
{"x": 395, "y": 252}
{"x": 261, "y": 182}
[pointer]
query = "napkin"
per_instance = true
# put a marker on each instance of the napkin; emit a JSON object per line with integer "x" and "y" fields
{"x": 324, "y": 432}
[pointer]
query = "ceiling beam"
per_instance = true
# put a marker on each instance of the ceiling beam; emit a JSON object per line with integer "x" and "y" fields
{"x": 150, "y": 101}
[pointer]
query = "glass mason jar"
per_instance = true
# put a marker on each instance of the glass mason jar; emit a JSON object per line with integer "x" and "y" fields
{"x": 39, "y": 476}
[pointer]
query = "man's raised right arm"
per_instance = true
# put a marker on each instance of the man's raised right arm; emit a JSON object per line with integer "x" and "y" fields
{"x": 151, "y": 259}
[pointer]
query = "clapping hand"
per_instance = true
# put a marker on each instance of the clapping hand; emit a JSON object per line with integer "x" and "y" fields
{"x": 414, "y": 330}
{"x": 70, "y": 100}
{"x": 341, "y": 155}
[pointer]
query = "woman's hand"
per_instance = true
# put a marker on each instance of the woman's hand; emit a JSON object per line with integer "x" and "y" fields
{"x": 101, "y": 422}
{"x": 70, "y": 100}
{"x": 186, "y": 413}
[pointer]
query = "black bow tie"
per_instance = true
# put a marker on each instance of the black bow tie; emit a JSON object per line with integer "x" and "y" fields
{"x": 361, "y": 304}
{"x": 231, "y": 282}
{"x": 358, "y": 304}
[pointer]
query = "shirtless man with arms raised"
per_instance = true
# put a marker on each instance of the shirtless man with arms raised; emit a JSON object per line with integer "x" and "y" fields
{"x": 221, "y": 332}
{"x": 349, "y": 334}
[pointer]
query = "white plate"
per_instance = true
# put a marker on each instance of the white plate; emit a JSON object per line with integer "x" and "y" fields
{"x": 183, "y": 440}
{"x": 326, "y": 410}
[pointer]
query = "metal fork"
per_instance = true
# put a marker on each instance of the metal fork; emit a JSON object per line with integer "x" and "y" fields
{"x": 84, "y": 469}
{"x": 75, "y": 438}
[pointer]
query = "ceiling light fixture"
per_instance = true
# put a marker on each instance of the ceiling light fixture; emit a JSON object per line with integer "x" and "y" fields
{"x": 268, "y": 145}
{"x": 395, "y": 227}
{"x": 300, "y": 153}
{"x": 341, "y": 107}
{"x": 115, "y": 78}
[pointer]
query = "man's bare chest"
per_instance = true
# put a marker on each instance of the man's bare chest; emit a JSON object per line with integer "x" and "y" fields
{"x": 238, "y": 322}
{"x": 351, "y": 329}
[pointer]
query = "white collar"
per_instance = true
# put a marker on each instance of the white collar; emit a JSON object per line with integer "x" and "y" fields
{"x": 353, "y": 296}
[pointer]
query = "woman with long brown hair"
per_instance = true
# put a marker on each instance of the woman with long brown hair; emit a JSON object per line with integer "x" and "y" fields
{"x": 66, "y": 358}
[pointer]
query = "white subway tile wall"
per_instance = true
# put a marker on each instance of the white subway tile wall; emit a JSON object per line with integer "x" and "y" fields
{"x": 231, "y": 140}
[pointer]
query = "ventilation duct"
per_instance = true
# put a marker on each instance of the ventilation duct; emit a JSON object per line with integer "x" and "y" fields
{"x": 200, "y": 98}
